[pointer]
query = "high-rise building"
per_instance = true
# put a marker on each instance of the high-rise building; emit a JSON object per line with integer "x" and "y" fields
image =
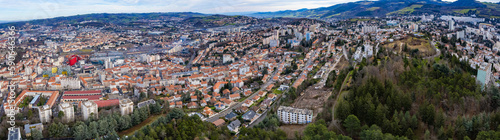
{"x": 69, "y": 114}
{"x": 89, "y": 108}
{"x": 291, "y": 115}
{"x": 369, "y": 29}
{"x": 452, "y": 25}
{"x": 45, "y": 113}
{"x": 126, "y": 107}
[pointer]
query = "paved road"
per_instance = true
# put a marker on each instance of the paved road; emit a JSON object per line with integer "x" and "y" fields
{"x": 438, "y": 52}
{"x": 238, "y": 104}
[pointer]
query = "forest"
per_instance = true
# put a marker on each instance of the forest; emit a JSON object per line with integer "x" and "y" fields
{"x": 419, "y": 98}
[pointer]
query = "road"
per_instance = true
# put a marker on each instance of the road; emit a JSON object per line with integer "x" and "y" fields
{"x": 438, "y": 52}
{"x": 238, "y": 104}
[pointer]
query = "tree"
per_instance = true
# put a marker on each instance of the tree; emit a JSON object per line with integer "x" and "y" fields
{"x": 103, "y": 127}
{"x": 36, "y": 134}
{"x": 352, "y": 124}
{"x": 80, "y": 131}
{"x": 60, "y": 115}
{"x": 93, "y": 130}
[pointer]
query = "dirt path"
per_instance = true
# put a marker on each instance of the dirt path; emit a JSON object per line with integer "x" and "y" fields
{"x": 132, "y": 130}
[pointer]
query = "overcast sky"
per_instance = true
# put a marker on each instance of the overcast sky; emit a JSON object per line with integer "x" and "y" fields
{"x": 14, "y": 10}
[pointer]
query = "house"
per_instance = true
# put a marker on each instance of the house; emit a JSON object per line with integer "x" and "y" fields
{"x": 178, "y": 104}
{"x": 234, "y": 125}
{"x": 219, "y": 122}
{"x": 255, "y": 98}
{"x": 231, "y": 116}
{"x": 203, "y": 103}
{"x": 241, "y": 109}
{"x": 172, "y": 104}
{"x": 234, "y": 96}
{"x": 249, "y": 116}
{"x": 208, "y": 112}
{"x": 271, "y": 96}
{"x": 192, "y": 105}
{"x": 247, "y": 93}
{"x": 194, "y": 98}
{"x": 265, "y": 104}
{"x": 219, "y": 106}
{"x": 226, "y": 92}
{"x": 247, "y": 103}
{"x": 262, "y": 93}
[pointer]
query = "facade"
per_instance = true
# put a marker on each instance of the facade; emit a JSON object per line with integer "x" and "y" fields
{"x": 70, "y": 83}
{"x": 89, "y": 108}
{"x": 45, "y": 113}
{"x": 369, "y": 29}
{"x": 291, "y": 115}
{"x": 126, "y": 106}
{"x": 69, "y": 112}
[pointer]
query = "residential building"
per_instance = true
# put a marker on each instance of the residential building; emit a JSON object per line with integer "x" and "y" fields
{"x": 126, "y": 107}
{"x": 289, "y": 115}
{"x": 68, "y": 110}
{"x": 45, "y": 113}
{"x": 89, "y": 109}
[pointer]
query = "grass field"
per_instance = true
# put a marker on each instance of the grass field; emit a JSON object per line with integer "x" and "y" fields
{"x": 146, "y": 122}
{"x": 463, "y": 11}
{"x": 373, "y": 8}
{"x": 423, "y": 45}
{"x": 407, "y": 10}
{"x": 86, "y": 50}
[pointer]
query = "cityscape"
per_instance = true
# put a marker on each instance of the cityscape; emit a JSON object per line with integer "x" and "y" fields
{"x": 362, "y": 70}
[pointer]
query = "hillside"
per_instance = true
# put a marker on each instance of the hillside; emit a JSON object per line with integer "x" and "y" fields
{"x": 391, "y": 8}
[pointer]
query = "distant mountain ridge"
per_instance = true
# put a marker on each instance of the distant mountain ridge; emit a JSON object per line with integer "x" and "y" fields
{"x": 383, "y": 8}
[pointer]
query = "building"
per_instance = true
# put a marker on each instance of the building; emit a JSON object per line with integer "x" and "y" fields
{"x": 289, "y": 115}
{"x": 234, "y": 125}
{"x": 15, "y": 104}
{"x": 69, "y": 112}
{"x": 249, "y": 116}
{"x": 126, "y": 107}
{"x": 484, "y": 74}
{"x": 75, "y": 97}
{"x": 89, "y": 108}
{"x": 451, "y": 24}
{"x": 29, "y": 127}
{"x": 14, "y": 134}
{"x": 45, "y": 113}
{"x": 70, "y": 83}
{"x": 369, "y": 29}
{"x": 146, "y": 103}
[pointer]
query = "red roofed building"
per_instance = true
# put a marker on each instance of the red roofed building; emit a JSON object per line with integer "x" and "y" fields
{"x": 106, "y": 103}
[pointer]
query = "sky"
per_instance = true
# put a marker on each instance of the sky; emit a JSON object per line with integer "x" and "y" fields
{"x": 17, "y": 10}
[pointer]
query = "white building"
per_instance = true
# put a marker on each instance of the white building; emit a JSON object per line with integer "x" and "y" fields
{"x": 70, "y": 83}
{"x": 369, "y": 29}
{"x": 461, "y": 34}
{"x": 289, "y": 115}
{"x": 451, "y": 24}
{"x": 45, "y": 113}
{"x": 227, "y": 58}
{"x": 126, "y": 107}
{"x": 89, "y": 108}
{"x": 69, "y": 112}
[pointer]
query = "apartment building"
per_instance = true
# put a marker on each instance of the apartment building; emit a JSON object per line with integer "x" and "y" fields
{"x": 290, "y": 115}
{"x": 69, "y": 112}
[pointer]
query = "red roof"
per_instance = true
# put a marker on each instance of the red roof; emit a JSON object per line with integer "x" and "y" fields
{"x": 106, "y": 103}
{"x": 88, "y": 97}
{"x": 82, "y": 92}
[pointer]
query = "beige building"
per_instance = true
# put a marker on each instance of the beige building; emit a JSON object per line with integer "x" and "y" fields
{"x": 69, "y": 112}
{"x": 89, "y": 108}
{"x": 126, "y": 106}
{"x": 45, "y": 113}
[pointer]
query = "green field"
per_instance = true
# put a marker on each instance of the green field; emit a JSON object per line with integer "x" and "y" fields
{"x": 86, "y": 50}
{"x": 407, "y": 10}
{"x": 373, "y": 8}
{"x": 463, "y": 11}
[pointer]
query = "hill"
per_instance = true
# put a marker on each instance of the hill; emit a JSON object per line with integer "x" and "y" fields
{"x": 383, "y": 8}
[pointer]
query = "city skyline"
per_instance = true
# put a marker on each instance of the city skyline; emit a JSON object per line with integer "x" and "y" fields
{"x": 41, "y": 9}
